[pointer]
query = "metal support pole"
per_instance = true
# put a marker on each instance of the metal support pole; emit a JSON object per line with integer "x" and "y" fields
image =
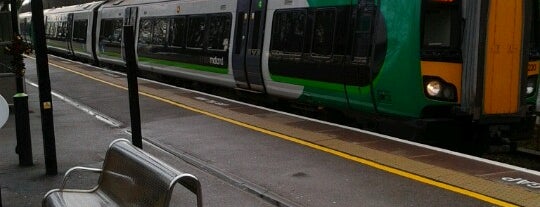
{"x": 19, "y": 78}
{"x": 45, "y": 97}
{"x": 20, "y": 100}
{"x": 133, "y": 87}
{"x": 24, "y": 143}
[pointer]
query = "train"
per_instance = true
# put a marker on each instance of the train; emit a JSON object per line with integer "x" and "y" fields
{"x": 466, "y": 68}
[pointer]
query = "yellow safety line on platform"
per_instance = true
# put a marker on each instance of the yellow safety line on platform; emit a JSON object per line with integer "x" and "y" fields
{"x": 316, "y": 146}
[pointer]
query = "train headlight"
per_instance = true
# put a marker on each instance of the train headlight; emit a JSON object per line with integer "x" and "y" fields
{"x": 433, "y": 88}
{"x": 436, "y": 88}
{"x": 531, "y": 85}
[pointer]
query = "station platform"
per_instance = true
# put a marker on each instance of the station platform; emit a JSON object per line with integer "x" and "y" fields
{"x": 246, "y": 155}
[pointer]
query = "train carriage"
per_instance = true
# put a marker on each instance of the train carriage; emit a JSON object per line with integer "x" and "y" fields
{"x": 69, "y": 30}
{"x": 424, "y": 63}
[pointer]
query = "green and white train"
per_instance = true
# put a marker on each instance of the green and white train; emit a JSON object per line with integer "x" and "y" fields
{"x": 426, "y": 63}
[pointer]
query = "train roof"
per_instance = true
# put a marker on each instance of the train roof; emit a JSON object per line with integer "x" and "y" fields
{"x": 118, "y": 3}
{"x": 74, "y": 8}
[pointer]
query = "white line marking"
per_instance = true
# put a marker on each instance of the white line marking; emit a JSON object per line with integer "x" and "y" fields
{"x": 102, "y": 117}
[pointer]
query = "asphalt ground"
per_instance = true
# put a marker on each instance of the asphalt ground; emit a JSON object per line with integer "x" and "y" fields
{"x": 239, "y": 163}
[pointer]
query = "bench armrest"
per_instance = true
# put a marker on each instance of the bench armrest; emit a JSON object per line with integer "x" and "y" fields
{"x": 78, "y": 168}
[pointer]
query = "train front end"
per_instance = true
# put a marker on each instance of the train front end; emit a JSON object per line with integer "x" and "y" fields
{"x": 481, "y": 57}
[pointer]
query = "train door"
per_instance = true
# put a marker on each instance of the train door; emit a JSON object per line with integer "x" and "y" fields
{"x": 247, "y": 49}
{"x": 69, "y": 35}
{"x": 360, "y": 67}
{"x": 503, "y": 67}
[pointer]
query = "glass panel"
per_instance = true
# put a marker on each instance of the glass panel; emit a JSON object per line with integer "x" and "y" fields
{"x": 160, "y": 32}
{"x": 323, "y": 33}
{"x": 196, "y": 30}
{"x": 288, "y": 31}
{"x": 111, "y": 30}
{"x": 219, "y": 29}
{"x": 145, "y": 31}
{"x": 437, "y": 28}
{"x": 79, "y": 30}
{"x": 177, "y": 35}
{"x": 441, "y": 30}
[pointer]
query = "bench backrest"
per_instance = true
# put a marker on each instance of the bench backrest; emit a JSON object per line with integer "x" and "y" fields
{"x": 133, "y": 177}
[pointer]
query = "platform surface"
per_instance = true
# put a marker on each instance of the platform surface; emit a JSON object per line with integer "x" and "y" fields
{"x": 245, "y": 155}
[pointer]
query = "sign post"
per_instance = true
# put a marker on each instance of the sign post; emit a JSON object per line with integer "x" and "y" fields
{"x": 45, "y": 97}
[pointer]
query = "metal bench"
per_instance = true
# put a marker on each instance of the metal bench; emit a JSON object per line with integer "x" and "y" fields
{"x": 130, "y": 177}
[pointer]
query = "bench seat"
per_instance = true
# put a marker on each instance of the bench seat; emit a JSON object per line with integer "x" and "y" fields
{"x": 129, "y": 177}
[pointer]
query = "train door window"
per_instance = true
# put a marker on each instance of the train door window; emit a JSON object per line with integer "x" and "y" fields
{"x": 441, "y": 32}
{"x": 79, "y": 30}
{"x": 195, "y": 32}
{"x": 288, "y": 32}
{"x": 177, "y": 34}
{"x": 256, "y": 30}
{"x": 239, "y": 32}
{"x": 363, "y": 37}
{"x": 219, "y": 29}
{"x": 145, "y": 31}
{"x": 323, "y": 32}
{"x": 160, "y": 32}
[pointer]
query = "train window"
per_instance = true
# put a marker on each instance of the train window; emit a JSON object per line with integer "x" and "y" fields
{"x": 54, "y": 29}
{"x": 219, "y": 29}
{"x": 363, "y": 37}
{"x": 47, "y": 29}
{"x": 57, "y": 32}
{"x": 22, "y": 25}
{"x": 323, "y": 32}
{"x": 25, "y": 29}
{"x": 111, "y": 30}
{"x": 145, "y": 31}
{"x": 195, "y": 32}
{"x": 160, "y": 32}
{"x": 437, "y": 28}
{"x": 50, "y": 33}
{"x": 177, "y": 35}
{"x": 441, "y": 32}
{"x": 288, "y": 32}
{"x": 79, "y": 30}
{"x": 63, "y": 26}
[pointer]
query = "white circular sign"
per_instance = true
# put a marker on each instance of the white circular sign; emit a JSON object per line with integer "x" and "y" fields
{"x": 4, "y": 111}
